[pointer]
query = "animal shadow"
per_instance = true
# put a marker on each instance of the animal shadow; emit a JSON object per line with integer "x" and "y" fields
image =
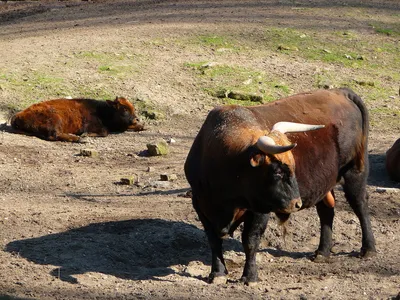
{"x": 132, "y": 249}
{"x": 378, "y": 175}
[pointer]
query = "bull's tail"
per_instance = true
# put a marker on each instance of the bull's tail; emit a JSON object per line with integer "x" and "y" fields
{"x": 362, "y": 147}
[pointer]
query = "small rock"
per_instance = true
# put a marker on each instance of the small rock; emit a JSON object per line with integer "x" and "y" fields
{"x": 208, "y": 65}
{"x": 327, "y": 51}
{"x": 288, "y": 48}
{"x": 161, "y": 184}
{"x": 248, "y": 81}
{"x": 171, "y": 141}
{"x": 150, "y": 169}
{"x": 187, "y": 194}
{"x": 386, "y": 190}
{"x": 237, "y": 95}
{"x": 168, "y": 177}
{"x": 365, "y": 83}
{"x": 89, "y": 153}
{"x": 160, "y": 148}
{"x": 128, "y": 180}
{"x": 348, "y": 56}
{"x": 222, "y": 93}
{"x": 325, "y": 84}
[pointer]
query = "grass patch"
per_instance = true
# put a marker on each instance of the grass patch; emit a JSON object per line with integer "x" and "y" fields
{"x": 117, "y": 70}
{"x": 33, "y": 86}
{"x": 315, "y": 46}
{"x": 386, "y": 29}
{"x": 113, "y": 63}
{"x": 219, "y": 44}
{"x": 215, "y": 41}
{"x": 222, "y": 81}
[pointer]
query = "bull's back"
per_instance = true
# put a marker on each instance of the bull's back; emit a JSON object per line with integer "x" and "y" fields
{"x": 58, "y": 115}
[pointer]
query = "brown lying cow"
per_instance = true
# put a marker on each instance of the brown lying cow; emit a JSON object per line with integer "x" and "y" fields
{"x": 393, "y": 161}
{"x": 242, "y": 166}
{"x": 67, "y": 119}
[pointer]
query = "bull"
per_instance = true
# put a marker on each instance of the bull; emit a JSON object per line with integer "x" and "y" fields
{"x": 393, "y": 161}
{"x": 247, "y": 162}
{"x": 68, "y": 119}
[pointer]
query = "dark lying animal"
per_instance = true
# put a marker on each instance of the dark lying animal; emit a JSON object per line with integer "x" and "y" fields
{"x": 241, "y": 167}
{"x": 393, "y": 161}
{"x": 66, "y": 120}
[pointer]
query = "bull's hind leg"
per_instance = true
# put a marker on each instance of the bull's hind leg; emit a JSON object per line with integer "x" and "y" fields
{"x": 356, "y": 194}
{"x": 326, "y": 214}
{"x": 254, "y": 227}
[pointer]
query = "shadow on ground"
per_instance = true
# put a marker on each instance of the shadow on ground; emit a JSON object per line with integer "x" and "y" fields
{"x": 132, "y": 249}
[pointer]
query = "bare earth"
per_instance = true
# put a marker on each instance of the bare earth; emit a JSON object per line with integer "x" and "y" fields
{"x": 69, "y": 231}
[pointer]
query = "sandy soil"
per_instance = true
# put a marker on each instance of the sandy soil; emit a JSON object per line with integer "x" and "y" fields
{"x": 68, "y": 230}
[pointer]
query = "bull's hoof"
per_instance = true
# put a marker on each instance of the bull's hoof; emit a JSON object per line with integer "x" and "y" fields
{"x": 249, "y": 281}
{"x": 367, "y": 254}
{"x": 217, "y": 279}
{"x": 319, "y": 259}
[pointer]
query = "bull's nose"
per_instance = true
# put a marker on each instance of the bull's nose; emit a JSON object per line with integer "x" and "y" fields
{"x": 298, "y": 203}
{"x": 293, "y": 206}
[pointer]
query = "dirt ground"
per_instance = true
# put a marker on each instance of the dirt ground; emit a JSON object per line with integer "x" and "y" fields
{"x": 68, "y": 230}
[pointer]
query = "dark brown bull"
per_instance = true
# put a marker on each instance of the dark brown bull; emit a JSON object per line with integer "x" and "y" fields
{"x": 241, "y": 168}
{"x": 393, "y": 161}
{"x": 66, "y": 120}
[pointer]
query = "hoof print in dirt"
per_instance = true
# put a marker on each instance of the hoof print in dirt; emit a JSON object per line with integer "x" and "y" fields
{"x": 89, "y": 153}
{"x": 158, "y": 149}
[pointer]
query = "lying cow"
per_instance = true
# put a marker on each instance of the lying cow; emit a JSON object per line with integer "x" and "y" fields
{"x": 393, "y": 161}
{"x": 66, "y": 120}
{"x": 242, "y": 166}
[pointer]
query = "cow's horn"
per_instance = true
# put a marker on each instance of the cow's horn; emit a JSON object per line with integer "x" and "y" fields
{"x": 285, "y": 127}
{"x": 268, "y": 146}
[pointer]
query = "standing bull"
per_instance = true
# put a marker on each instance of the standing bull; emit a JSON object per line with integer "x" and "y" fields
{"x": 67, "y": 119}
{"x": 242, "y": 166}
{"x": 393, "y": 161}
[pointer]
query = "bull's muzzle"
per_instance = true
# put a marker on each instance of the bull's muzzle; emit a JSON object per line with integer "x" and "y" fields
{"x": 293, "y": 206}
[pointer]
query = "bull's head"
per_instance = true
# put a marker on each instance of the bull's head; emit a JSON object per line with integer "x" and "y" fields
{"x": 277, "y": 165}
{"x": 125, "y": 117}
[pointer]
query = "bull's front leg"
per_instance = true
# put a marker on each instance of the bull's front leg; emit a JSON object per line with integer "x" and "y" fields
{"x": 254, "y": 227}
{"x": 218, "y": 267}
{"x": 326, "y": 214}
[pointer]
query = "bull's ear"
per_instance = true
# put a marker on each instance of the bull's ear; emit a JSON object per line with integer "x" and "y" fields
{"x": 257, "y": 159}
{"x": 111, "y": 103}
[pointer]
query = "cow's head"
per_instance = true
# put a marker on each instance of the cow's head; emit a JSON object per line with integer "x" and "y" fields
{"x": 124, "y": 117}
{"x": 276, "y": 168}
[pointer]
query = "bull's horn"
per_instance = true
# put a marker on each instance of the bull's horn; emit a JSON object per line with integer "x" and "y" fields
{"x": 268, "y": 146}
{"x": 285, "y": 127}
